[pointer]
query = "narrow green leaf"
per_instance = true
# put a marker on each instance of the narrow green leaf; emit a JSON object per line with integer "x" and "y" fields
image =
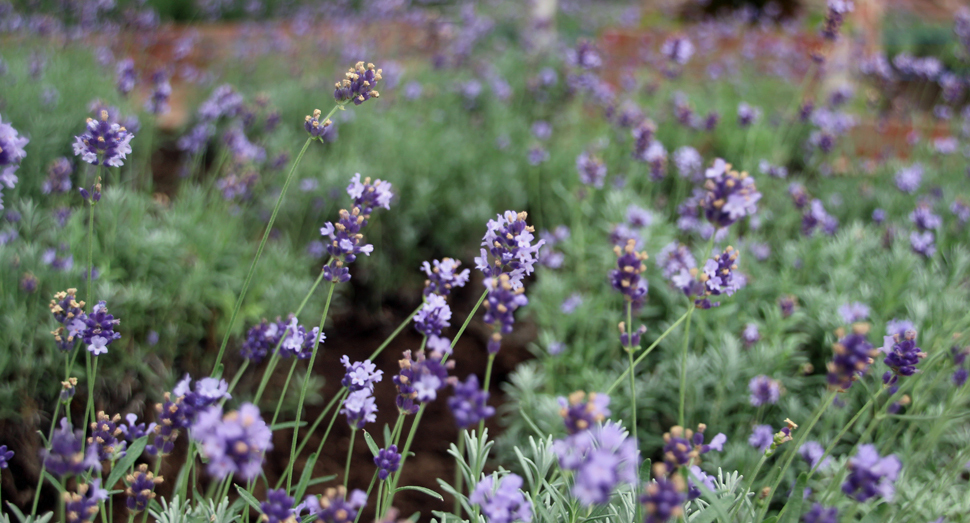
{"x": 878, "y": 515}
{"x": 421, "y": 489}
{"x": 305, "y": 476}
{"x": 322, "y": 479}
{"x": 54, "y": 481}
{"x": 125, "y": 463}
{"x": 371, "y": 444}
{"x": 286, "y": 425}
{"x": 253, "y": 502}
{"x": 794, "y": 508}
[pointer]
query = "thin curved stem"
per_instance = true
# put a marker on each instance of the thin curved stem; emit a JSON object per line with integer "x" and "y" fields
{"x": 683, "y": 367}
{"x": 645, "y": 353}
{"x": 350, "y": 454}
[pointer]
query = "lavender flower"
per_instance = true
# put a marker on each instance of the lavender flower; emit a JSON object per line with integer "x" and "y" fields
{"x": 677, "y": 49}
{"x": 592, "y": 170}
{"x": 360, "y": 375}
{"x": 103, "y": 142}
{"x": 235, "y": 443}
{"x": 642, "y": 138}
{"x": 207, "y": 392}
{"x": 11, "y": 154}
{"x": 775, "y": 171}
{"x": 834, "y": 17}
{"x": 656, "y": 157}
{"x": 961, "y": 210}
{"x": 171, "y": 418}
{"x": 686, "y": 446}
{"x": 157, "y": 103}
{"x": 125, "y": 76}
{"x": 894, "y": 327}
{"x": 99, "y": 331}
{"x": 747, "y": 114}
{"x": 787, "y": 304}
{"x": 638, "y": 217}
{"x": 812, "y": 453}
{"x": 870, "y": 475}
{"x": 58, "y": 176}
{"x": 107, "y": 437}
{"x": 224, "y": 101}
{"x": 314, "y": 127}
{"x": 541, "y": 130}
{"x": 278, "y": 507}
{"x": 358, "y": 85}
{"x": 762, "y": 437}
{"x": 924, "y": 219}
{"x": 581, "y": 411}
{"x": 902, "y": 356}
{"x": 70, "y": 314}
{"x": 908, "y": 179}
{"x": 821, "y": 514}
{"x": 335, "y": 507}
{"x": 922, "y": 243}
{"x": 689, "y": 163}
{"x": 764, "y": 390}
{"x": 469, "y": 405}
{"x": 720, "y": 276}
{"x": 663, "y": 499}
{"x": 420, "y": 379}
{"x": 500, "y": 305}
{"x": 345, "y": 236}
{"x": 852, "y": 356}
{"x": 141, "y": 488}
{"x": 602, "y": 457}
{"x": 66, "y": 456}
{"x": 83, "y": 506}
{"x": 626, "y": 277}
{"x": 854, "y": 312}
{"x": 360, "y": 408}
{"x": 537, "y": 155}
{"x": 729, "y": 195}
{"x": 444, "y": 277}
{"x": 388, "y": 461}
{"x": 5, "y": 457}
{"x": 502, "y": 502}
{"x": 196, "y": 140}
{"x": 261, "y": 339}
{"x": 296, "y": 341}
{"x": 816, "y": 216}
{"x": 134, "y": 430}
{"x": 750, "y": 334}
{"x": 433, "y": 316}
{"x": 584, "y": 56}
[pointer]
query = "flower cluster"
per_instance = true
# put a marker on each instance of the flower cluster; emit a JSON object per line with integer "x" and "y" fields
{"x": 821, "y": 514}
{"x": 674, "y": 258}
{"x": 761, "y": 437}
{"x": 503, "y": 299}
{"x": 626, "y": 277}
{"x": 602, "y": 457}
{"x": 871, "y": 475}
{"x": 11, "y": 154}
{"x": 360, "y": 375}
{"x": 816, "y": 217}
{"x": 358, "y": 84}
{"x": 902, "y": 356}
{"x": 782, "y": 436}
{"x": 291, "y": 338}
{"x": 141, "y": 488}
{"x": 433, "y": 316}
{"x": 500, "y": 499}
{"x": 234, "y": 443}
{"x": 65, "y": 454}
{"x": 854, "y": 312}
{"x": 360, "y": 408}
{"x": 5, "y": 456}
{"x": 58, "y": 176}
{"x": 581, "y": 411}
{"x": 663, "y": 498}
{"x": 99, "y": 329}
{"x": 207, "y": 392}
{"x": 689, "y": 163}
{"x": 335, "y": 507}
{"x": 105, "y": 433}
{"x": 157, "y": 103}
{"x": 314, "y": 127}
{"x": 684, "y": 447}
{"x": 444, "y": 277}
{"x": 729, "y": 195}
{"x": 812, "y": 452}
{"x": 345, "y": 236}
{"x": 388, "y": 461}
{"x": 469, "y": 404}
{"x": 592, "y": 170}
{"x": 278, "y": 507}
{"x": 420, "y": 378}
{"x": 507, "y": 248}
{"x": 70, "y": 314}
{"x": 103, "y": 142}
{"x": 764, "y": 390}
{"x": 720, "y": 276}
{"x": 643, "y": 135}
{"x": 83, "y": 506}
{"x": 834, "y": 17}
{"x": 853, "y": 355}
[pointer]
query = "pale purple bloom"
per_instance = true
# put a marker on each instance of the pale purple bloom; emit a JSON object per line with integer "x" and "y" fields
{"x": 103, "y": 142}
{"x": 502, "y": 503}
{"x": 570, "y": 304}
{"x": 924, "y": 219}
{"x": 360, "y": 408}
{"x": 689, "y": 163}
{"x": 592, "y": 170}
{"x": 909, "y": 178}
{"x": 923, "y": 243}
{"x": 764, "y": 390}
{"x": 854, "y": 312}
{"x": 761, "y": 437}
{"x": 871, "y": 475}
{"x": 602, "y": 457}
{"x": 469, "y": 404}
{"x": 750, "y": 334}
{"x": 638, "y": 217}
{"x": 444, "y": 276}
{"x": 360, "y": 374}
{"x": 433, "y": 316}
{"x": 812, "y": 452}
{"x": 507, "y": 248}
{"x": 11, "y": 154}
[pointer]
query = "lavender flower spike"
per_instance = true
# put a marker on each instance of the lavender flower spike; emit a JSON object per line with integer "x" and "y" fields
{"x": 235, "y": 443}
{"x": 729, "y": 195}
{"x": 870, "y": 475}
{"x": 103, "y": 142}
{"x": 507, "y": 247}
{"x": 502, "y": 502}
{"x": 358, "y": 86}
{"x": 11, "y": 154}
{"x": 444, "y": 277}
{"x": 626, "y": 277}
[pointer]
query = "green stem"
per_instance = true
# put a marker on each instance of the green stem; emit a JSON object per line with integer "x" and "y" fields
{"x": 350, "y": 454}
{"x": 395, "y": 333}
{"x": 313, "y": 428}
{"x": 459, "y": 477}
{"x": 404, "y": 455}
{"x": 683, "y": 367}
{"x": 645, "y": 353}
{"x": 306, "y": 384}
{"x": 370, "y": 487}
{"x": 259, "y": 253}
{"x": 485, "y": 386}
{"x": 239, "y": 373}
{"x": 286, "y": 387}
{"x": 270, "y": 367}
{"x": 43, "y": 466}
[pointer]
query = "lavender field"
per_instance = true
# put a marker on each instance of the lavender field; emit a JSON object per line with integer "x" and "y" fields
{"x": 555, "y": 261}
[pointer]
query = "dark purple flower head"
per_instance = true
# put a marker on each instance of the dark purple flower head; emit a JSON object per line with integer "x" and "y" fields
{"x": 663, "y": 498}
{"x": 787, "y": 304}
{"x": 581, "y": 411}
{"x": 195, "y": 141}
{"x": 103, "y": 142}
{"x": 923, "y": 243}
{"x": 433, "y": 316}
{"x": 834, "y": 16}
{"x": 58, "y": 176}
{"x": 642, "y": 138}
{"x": 852, "y": 356}
{"x": 502, "y": 502}
{"x": 584, "y": 56}
{"x": 602, "y": 458}
{"x": 99, "y": 331}
{"x": 420, "y": 379}
{"x": 444, "y": 277}
{"x": 388, "y": 461}
{"x": 798, "y": 195}
{"x": 816, "y": 217}
{"x": 360, "y": 375}
{"x": 924, "y": 219}
{"x": 207, "y": 392}
{"x": 360, "y": 408}
{"x": 107, "y": 436}
{"x": 358, "y": 84}
{"x": 296, "y": 341}
{"x": 677, "y": 49}
{"x": 719, "y": 276}
{"x": 747, "y": 114}
{"x": 762, "y": 436}
{"x": 141, "y": 488}
{"x": 65, "y": 455}
{"x": 70, "y": 314}
{"x": 261, "y": 340}
{"x": 278, "y": 508}
{"x": 500, "y": 304}
{"x": 628, "y": 341}
{"x": 684, "y": 446}
{"x": 234, "y": 443}
{"x": 656, "y": 157}
{"x": 507, "y": 248}
{"x": 469, "y": 404}
{"x": 314, "y": 127}
{"x": 878, "y": 216}
{"x": 334, "y": 506}
{"x": 729, "y": 196}
{"x": 83, "y": 506}
{"x": 821, "y": 514}
{"x": 125, "y": 76}
{"x": 134, "y": 430}
{"x": 902, "y": 356}
{"x": 627, "y": 278}
{"x": 5, "y": 456}
{"x": 592, "y": 170}
{"x": 764, "y": 390}
{"x": 960, "y": 376}
{"x": 157, "y": 103}
{"x": 871, "y": 475}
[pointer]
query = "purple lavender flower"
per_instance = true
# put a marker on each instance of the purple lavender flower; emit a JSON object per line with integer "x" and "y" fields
{"x": 854, "y": 312}
{"x": 729, "y": 195}
{"x": 923, "y": 243}
{"x": 388, "y": 461}
{"x": 134, "y": 430}
{"x": 360, "y": 375}
{"x": 335, "y": 506}
{"x": 584, "y": 56}
{"x": 5, "y": 456}
{"x": 196, "y": 140}
{"x": 278, "y": 507}
{"x": 157, "y": 103}
{"x": 66, "y": 456}
{"x": 207, "y": 392}
{"x": 537, "y": 155}
{"x": 821, "y": 514}
{"x": 764, "y": 390}
{"x": 502, "y": 502}
{"x": 663, "y": 499}
{"x": 603, "y": 457}
{"x": 70, "y": 314}
{"x": 360, "y": 408}
{"x": 541, "y": 130}
{"x": 899, "y": 327}
{"x": 345, "y": 236}
{"x": 125, "y": 76}
{"x": 960, "y": 376}
{"x": 748, "y": 114}
{"x": 570, "y": 304}
{"x": 626, "y": 277}
{"x": 750, "y": 334}
{"x": 234, "y": 443}
{"x": 509, "y": 243}
{"x": 296, "y": 341}
{"x": 775, "y": 171}
{"x": 107, "y": 436}
{"x": 83, "y": 506}
{"x": 99, "y": 331}
{"x": 683, "y": 446}
{"x": 11, "y": 154}
{"x": 224, "y": 101}
{"x": 420, "y": 379}
{"x": 878, "y": 216}
{"x": 852, "y": 356}
{"x": 834, "y": 17}
{"x": 141, "y": 488}
{"x": 103, "y": 142}
{"x": 358, "y": 86}
{"x": 58, "y": 176}
{"x": 592, "y": 170}
{"x": 261, "y": 339}
{"x": 500, "y": 305}
{"x": 642, "y": 138}
{"x": 870, "y": 475}
{"x": 689, "y": 163}
{"x": 314, "y": 127}
{"x": 908, "y": 179}
{"x": 762, "y": 436}
{"x": 902, "y": 356}
{"x": 719, "y": 276}
{"x": 444, "y": 277}
{"x": 433, "y": 316}
{"x": 787, "y": 304}
{"x": 581, "y": 411}
{"x": 924, "y": 219}
{"x": 656, "y": 157}
{"x": 677, "y": 49}
{"x": 469, "y": 404}
{"x": 816, "y": 217}
{"x": 638, "y": 217}
{"x": 961, "y": 210}
{"x": 674, "y": 258}
{"x": 812, "y": 452}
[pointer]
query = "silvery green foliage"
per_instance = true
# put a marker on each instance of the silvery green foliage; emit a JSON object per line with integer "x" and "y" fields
{"x": 207, "y": 511}
{"x": 22, "y": 518}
